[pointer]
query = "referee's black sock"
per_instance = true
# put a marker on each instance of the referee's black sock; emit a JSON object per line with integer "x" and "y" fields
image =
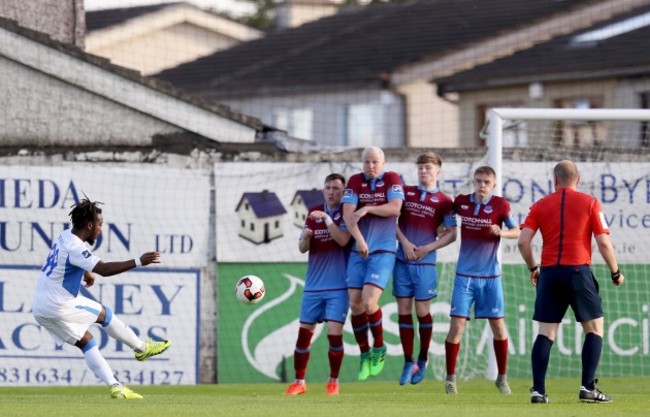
{"x": 591, "y": 350}
{"x": 540, "y": 356}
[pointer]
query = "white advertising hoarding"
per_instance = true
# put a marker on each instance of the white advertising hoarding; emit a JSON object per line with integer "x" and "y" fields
{"x": 623, "y": 189}
{"x": 145, "y": 209}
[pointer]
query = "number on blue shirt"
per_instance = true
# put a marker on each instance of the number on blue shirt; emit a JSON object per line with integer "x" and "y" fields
{"x": 51, "y": 261}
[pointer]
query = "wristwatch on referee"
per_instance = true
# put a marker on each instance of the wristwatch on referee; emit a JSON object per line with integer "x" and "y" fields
{"x": 533, "y": 269}
{"x": 616, "y": 276}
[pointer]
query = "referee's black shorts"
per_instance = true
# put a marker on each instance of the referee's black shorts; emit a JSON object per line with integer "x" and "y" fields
{"x": 562, "y": 286}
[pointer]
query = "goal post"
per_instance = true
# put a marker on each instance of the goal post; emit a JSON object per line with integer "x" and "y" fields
{"x": 611, "y": 149}
{"x": 497, "y": 116}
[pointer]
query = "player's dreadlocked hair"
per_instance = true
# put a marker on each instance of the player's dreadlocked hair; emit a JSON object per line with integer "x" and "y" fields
{"x": 83, "y": 212}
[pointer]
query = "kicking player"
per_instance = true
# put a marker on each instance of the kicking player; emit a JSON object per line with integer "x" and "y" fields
{"x": 67, "y": 315}
{"x": 325, "y": 297}
{"x": 478, "y": 272}
{"x": 414, "y": 276}
{"x": 371, "y": 203}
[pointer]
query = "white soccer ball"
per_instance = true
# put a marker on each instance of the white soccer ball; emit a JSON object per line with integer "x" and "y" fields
{"x": 250, "y": 289}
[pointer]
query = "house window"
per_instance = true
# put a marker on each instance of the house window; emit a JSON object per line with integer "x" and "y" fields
{"x": 243, "y": 224}
{"x": 364, "y": 124}
{"x": 578, "y": 133}
{"x": 246, "y": 206}
{"x": 296, "y": 215}
{"x": 304, "y": 217}
{"x": 297, "y": 122}
{"x": 252, "y": 227}
{"x": 277, "y": 224}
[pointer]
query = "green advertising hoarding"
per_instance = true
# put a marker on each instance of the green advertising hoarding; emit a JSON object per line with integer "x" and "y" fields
{"x": 255, "y": 343}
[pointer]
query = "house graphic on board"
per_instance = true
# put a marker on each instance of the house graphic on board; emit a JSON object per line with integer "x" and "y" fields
{"x": 302, "y": 201}
{"x": 260, "y": 216}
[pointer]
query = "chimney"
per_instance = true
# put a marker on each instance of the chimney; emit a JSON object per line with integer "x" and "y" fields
{"x": 64, "y": 21}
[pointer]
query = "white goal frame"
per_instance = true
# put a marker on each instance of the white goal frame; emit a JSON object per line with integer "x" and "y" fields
{"x": 497, "y": 116}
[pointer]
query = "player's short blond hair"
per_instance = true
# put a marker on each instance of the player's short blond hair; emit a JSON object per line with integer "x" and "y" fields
{"x": 429, "y": 158}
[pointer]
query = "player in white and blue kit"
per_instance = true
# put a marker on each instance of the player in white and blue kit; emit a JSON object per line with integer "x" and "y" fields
{"x": 66, "y": 315}
{"x": 371, "y": 204}
{"x": 325, "y": 297}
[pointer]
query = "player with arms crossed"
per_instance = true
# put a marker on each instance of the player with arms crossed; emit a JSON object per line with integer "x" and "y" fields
{"x": 478, "y": 272}
{"x": 371, "y": 204}
{"x": 567, "y": 219}
{"x": 325, "y": 297}
{"x": 67, "y": 315}
{"x": 414, "y": 276}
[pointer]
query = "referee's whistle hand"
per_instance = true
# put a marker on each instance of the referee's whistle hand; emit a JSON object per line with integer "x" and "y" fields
{"x": 619, "y": 282}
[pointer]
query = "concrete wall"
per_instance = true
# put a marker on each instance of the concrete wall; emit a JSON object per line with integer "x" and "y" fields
{"x": 62, "y": 20}
{"x": 45, "y": 111}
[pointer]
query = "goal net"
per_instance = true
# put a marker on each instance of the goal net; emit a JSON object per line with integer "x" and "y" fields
{"x": 610, "y": 149}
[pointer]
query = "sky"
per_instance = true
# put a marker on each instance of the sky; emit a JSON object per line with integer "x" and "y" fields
{"x": 234, "y": 7}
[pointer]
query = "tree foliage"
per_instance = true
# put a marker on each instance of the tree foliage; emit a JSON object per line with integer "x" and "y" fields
{"x": 263, "y": 17}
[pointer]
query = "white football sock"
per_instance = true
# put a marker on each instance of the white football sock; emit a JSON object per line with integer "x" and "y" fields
{"x": 99, "y": 366}
{"x": 120, "y": 331}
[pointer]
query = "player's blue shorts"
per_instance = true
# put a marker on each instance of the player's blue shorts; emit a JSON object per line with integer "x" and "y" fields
{"x": 328, "y": 305}
{"x": 485, "y": 293}
{"x": 375, "y": 270}
{"x": 562, "y": 286}
{"x": 415, "y": 280}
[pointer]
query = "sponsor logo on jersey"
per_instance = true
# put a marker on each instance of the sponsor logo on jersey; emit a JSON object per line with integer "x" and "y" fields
{"x": 488, "y": 209}
{"x": 86, "y": 254}
{"x": 464, "y": 207}
{"x": 421, "y": 207}
{"x": 435, "y": 199}
{"x": 410, "y": 193}
{"x": 348, "y": 192}
{"x": 397, "y": 188}
{"x": 379, "y": 184}
{"x": 337, "y": 216}
{"x": 476, "y": 221}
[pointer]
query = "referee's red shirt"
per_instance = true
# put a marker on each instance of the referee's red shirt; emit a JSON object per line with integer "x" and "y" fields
{"x": 566, "y": 219}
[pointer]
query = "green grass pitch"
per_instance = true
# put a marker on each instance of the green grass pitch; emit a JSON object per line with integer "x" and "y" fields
{"x": 477, "y": 398}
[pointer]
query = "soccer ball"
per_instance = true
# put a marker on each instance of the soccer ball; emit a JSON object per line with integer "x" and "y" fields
{"x": 250, "y": 289}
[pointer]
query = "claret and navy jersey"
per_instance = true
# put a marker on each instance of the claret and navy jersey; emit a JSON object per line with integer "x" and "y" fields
{"x": 327, "y": 259}
{"x": 379, "y": 232}
{"x": 479, "y": 247}
{"x": 422, "y": 212}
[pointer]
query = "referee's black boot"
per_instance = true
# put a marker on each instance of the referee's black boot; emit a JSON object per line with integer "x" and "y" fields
{"x": 537, "y": 398}
{"x": 594, "y": 396}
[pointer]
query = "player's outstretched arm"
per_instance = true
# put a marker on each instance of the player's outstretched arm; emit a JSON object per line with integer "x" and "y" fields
{"x": 107, "y": 269}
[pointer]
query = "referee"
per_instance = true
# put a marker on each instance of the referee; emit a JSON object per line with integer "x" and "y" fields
{"x": 567, "y": 219}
